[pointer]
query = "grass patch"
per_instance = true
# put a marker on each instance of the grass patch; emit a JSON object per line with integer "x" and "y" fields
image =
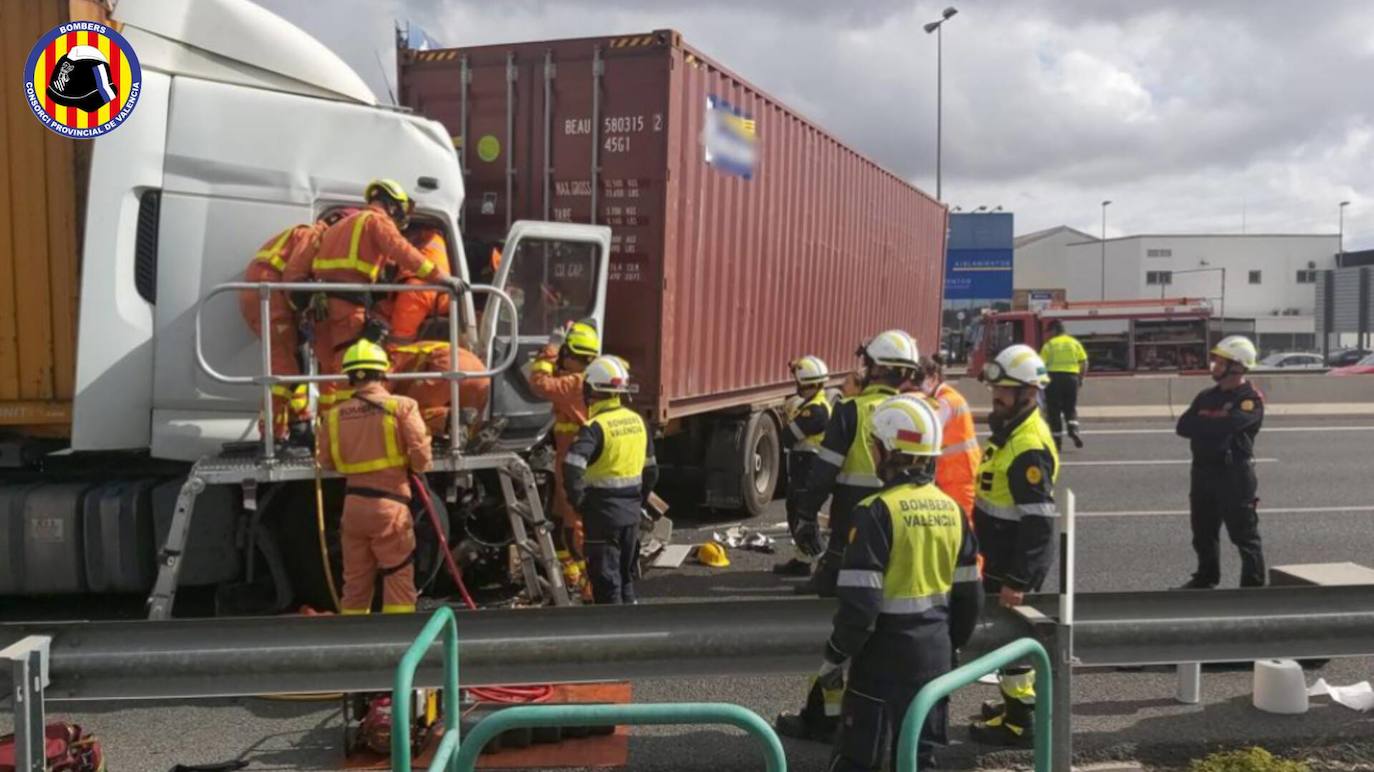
{"x": 1248, "y": 760}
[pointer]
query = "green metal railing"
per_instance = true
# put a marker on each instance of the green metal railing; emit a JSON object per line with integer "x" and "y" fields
{"x": 601, "y": 715}
{"x": 445, "y": 757}
{"x": 957, "y": 679}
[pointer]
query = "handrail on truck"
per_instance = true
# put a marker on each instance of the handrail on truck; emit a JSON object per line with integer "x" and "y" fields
{"x": 954, "y": 680}
{"x": 267, "y": 380}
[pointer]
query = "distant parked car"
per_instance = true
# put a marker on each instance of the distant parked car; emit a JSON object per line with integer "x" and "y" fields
{"x": 1291, "y": 361}
{"x": 1363, "y": 367}
{"x": 1346, "y": 357}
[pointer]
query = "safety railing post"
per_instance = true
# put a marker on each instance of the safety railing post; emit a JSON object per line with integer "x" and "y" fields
{"x": 269, "y": 431}
{"x": 445, "y": 756}
{"x": 775, "y": 759}
{"x": 950, "y": 682}
{"x": 28, "y": 660}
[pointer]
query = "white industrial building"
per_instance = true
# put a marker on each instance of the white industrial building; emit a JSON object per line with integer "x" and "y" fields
{"x": 1270, "y": 278}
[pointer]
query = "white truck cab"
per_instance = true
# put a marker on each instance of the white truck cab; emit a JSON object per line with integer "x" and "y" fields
{"x": 246, "y": 125}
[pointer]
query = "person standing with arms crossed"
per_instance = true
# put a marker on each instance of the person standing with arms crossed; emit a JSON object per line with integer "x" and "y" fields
{"x": 1067, "y": 363}
{"x": 1221, "y": 426}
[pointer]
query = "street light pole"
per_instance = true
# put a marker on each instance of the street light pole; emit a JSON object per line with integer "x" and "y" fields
{"x": 1103, "y": 295}
{"x": 938, "y": 28}
{"x": 1340, "y": 259}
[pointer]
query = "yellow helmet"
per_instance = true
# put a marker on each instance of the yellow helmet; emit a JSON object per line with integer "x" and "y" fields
{"x": 391, "y": 189}
{"x": 366, "y": 355}
{"x": 907, "y": 424}
{"x": 713, "y": 555}
{"x": 583, "y": 339}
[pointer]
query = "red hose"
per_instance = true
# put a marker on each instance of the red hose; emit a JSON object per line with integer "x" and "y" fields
{"x": 506, "y": 695}
{"x": 453, "y": 569}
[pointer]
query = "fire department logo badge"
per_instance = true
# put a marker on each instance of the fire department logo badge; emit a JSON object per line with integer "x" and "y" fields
{"x": 82, "y": 80}
{"x": 1248, "y": 405}
{"x": 1034, "y": 475}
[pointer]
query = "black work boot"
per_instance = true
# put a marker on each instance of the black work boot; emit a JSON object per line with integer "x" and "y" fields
{"x": 1077, "y": 440}
{"x": 1196, "y": 583}
{"x": 795, "y": 567}
{"x": 1015, "y": 728}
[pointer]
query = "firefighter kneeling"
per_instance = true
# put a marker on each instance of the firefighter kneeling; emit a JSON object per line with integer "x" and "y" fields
{"x": 375, "y": 439}
{"x": 909, "y": 594}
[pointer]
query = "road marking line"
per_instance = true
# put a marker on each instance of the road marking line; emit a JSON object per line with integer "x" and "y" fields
{"x": 1150, "y": 462}
{"x": 1265, "y": 430}
{"x": 1262, "y": 510}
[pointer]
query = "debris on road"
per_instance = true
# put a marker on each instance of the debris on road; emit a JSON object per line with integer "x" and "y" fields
{"x": 1358, "y": 696}
{"x": 743, "y": 537}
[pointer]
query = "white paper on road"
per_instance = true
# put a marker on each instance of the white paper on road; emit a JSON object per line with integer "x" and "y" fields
{"x": 1358, "y": 696}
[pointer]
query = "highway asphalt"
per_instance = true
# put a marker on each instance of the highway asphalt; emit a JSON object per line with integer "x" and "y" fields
{"x": 1130, "y": 484}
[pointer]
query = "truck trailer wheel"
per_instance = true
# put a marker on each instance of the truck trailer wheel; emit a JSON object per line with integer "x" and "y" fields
{"x": 761, "y": 456}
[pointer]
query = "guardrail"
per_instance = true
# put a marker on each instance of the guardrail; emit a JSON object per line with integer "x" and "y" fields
{"x": 775, "y": 760}
{"x": 267, "y": 379}
{"x": 441, "y": 621}
{"x": 957, "y": 679}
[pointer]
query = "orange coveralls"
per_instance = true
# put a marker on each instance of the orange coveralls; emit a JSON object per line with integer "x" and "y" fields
{"x": 355, "y": 250}
{"x": 268, "y": 265}
{"x": 957, "y": 468}
{"x": 564, "y": 390}
{"x": 375, "y": 439}
{"x": 406, "y": 313}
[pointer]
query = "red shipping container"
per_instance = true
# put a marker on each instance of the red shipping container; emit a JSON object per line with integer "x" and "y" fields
{"x": 716, "y": 281}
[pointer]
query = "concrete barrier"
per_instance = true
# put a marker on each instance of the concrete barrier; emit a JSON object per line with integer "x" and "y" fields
{"x": 1167, "y": 396}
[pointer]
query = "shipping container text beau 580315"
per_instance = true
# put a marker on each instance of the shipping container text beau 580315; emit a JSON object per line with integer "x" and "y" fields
{"x": 720, "y": 273}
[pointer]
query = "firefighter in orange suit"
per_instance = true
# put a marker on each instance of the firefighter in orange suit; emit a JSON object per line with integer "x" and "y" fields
{"x": 375, "y": 439}
{"x": 417, "y": 338}
{"x": 557, "y": 376}
{"x": 269, "y": 264}
{"x": 355, "y": 250}
{"x": 959, "y": 453}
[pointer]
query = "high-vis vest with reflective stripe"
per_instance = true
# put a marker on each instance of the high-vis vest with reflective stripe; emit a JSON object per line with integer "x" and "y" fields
{"x": 1063, "y": 354}
{"x": 351, "y": 261}
{"x": 994, "y": 489}
{"x": 624, "y": 445}
{"x": 391, "y": 432}
{"x": 859, "y": 469}
{"x": 272, "y": 252}
{"x": 812, "y": 443}
{"x": 959, "y": 453}
{"x": 927, "y": 532}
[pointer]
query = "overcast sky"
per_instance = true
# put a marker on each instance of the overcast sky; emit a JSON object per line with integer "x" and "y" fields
{"x": 1192, "y": 117}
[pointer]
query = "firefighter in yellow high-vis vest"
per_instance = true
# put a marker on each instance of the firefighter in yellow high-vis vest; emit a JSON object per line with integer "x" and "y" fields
{"x": 1015, "y": 517}
{"x": 608, "y": 474}
{"x": 802, "y": 437}
{"x": 908, "y": 592}
{"x": 844, "y": 463}
{"x": 376, "y": 440}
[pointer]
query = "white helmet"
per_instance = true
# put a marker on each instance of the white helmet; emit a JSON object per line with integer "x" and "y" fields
{"x": 608, "y": 375}
{"x": 1017, "y": 365}
{"x": 893, "y": 348}
{"x": 809, "y": 370}
{"x": 907, "y": 424}
{"x": 1238, "y": 349}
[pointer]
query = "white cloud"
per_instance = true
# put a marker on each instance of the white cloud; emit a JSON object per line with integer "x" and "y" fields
{"x": 1183, "y": 113}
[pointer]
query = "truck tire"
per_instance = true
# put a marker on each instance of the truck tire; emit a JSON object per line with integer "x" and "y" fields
{"x": 760, "y": 458}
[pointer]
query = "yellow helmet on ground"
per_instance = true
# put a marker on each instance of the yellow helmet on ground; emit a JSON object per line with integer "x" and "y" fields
{"x": 907, "y": 424}
{"x": 391, "y": 189}
{"x": 365, "y": 355}
{"x": 809, "y": 370}
{"x": 608, "y": 375}
{"x": 1017, "y": 365}
{"x": 713, "y": 555}
{"x": 583, "y": 339}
